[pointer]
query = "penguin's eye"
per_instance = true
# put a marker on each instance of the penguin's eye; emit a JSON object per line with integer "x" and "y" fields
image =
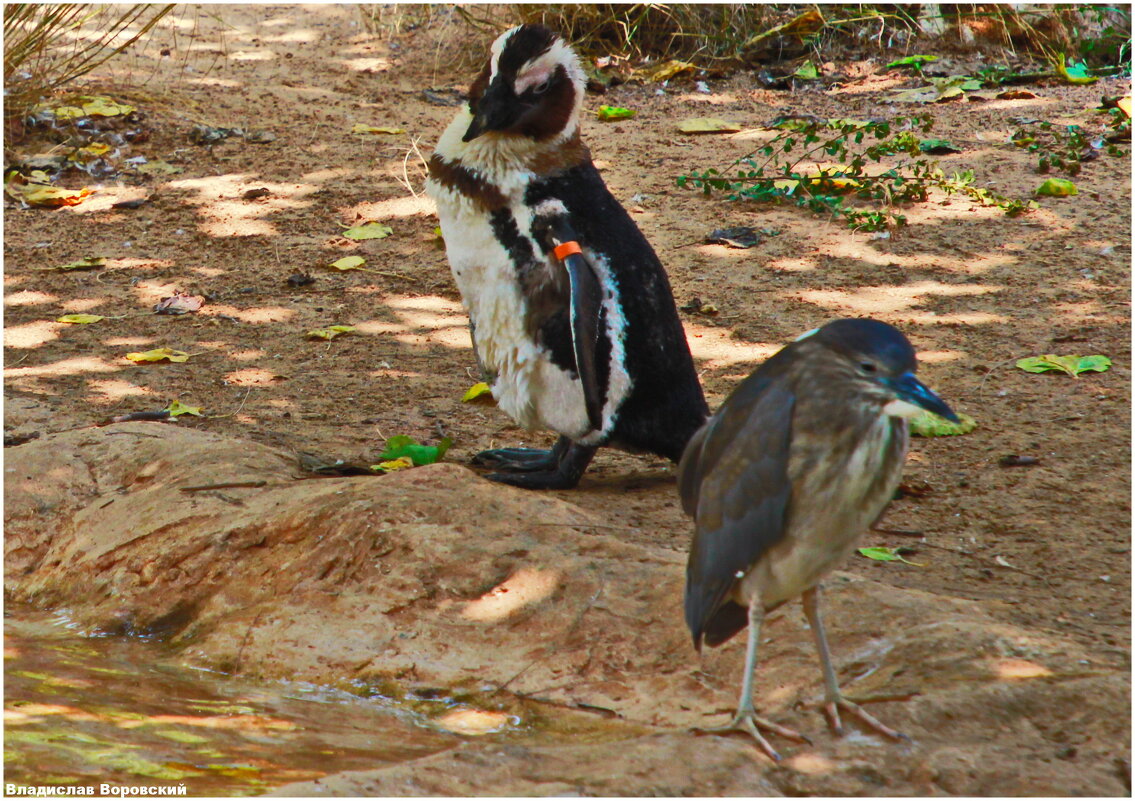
{"x": 540, "y": 88}
{"x": 867, "y": 367}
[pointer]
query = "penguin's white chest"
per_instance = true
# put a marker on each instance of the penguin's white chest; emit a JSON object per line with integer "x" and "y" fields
{"x": 526, "y": 384}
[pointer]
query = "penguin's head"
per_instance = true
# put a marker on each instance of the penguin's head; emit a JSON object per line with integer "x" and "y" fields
{"x": 531, "y": 87}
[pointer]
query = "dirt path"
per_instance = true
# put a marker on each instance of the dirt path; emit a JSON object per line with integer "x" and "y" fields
{"x": 1043, "y": 547}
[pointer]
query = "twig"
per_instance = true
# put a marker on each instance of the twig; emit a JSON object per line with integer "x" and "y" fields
{"x": 224, "y": 485}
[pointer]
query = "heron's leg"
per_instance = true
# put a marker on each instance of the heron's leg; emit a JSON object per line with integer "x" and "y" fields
{"x": 833, "y": 699}
{"x": 523, "y": 460}
{"x": 746, "y": 719}
{"x": 561, "y": 470}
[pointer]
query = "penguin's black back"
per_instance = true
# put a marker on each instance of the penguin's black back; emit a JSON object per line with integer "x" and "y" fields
{"x": 666, "y": 404}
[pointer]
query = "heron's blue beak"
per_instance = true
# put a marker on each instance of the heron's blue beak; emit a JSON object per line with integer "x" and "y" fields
{"x": 911, "y": 390}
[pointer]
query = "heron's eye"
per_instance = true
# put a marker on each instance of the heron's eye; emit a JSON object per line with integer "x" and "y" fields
{"x": 867, "y": 367}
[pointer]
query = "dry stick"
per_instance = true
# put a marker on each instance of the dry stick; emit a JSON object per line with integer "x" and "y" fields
{"x": 224, "y": 485}
{"x": 984, "y": 561}
{"x": 238, "y": 408}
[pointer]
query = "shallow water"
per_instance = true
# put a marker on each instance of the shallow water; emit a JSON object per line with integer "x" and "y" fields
{"x": 87, "y": 710}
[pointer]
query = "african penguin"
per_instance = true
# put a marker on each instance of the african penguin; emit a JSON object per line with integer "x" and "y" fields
{"x": 570, "y": 310}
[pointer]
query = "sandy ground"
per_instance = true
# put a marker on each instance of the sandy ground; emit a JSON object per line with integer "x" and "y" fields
{"x": 1044, "y": 548}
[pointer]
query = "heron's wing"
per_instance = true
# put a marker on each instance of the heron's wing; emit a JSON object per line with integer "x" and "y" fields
{"x": 738, "y": 487}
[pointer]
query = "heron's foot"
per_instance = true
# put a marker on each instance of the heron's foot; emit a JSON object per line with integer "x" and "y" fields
{"x": 832, "y": 710}
{"x": 518, "y": 460}
{"x": 749, "y": 723}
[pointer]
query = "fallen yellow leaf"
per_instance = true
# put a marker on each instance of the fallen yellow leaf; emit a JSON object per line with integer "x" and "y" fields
{"x": 478, "y": 393}
{"x": 330, "y": 332}
{"x": 79, "y": 319}
{"x": 158, "y": 354}
{"x": 401, "y": 463}
{"x": 348, "y": 263}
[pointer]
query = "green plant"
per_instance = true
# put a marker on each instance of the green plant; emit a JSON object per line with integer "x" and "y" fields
{"x": 1066, "y": 147}
{"x": 41, "y": 53}
{"x": 786, "y": 170}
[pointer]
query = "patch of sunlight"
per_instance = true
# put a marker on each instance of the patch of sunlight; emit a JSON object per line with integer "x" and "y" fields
{"x": 1020, "y": 669}
{"x": 810, "y": 763}
{"x": 44, "y": 710}
{"x": 1090, "y": 311}
{"x": 936, "y": 356}
{"x": 253, "y": 55}
{"x": 208, "y": 272}
{"x": 726, "y": 252}
{"x": 238, "y": 227}
{"x": 749, "y": 135}
{"x": 232, "y": 185}
{"x": 15, "y": 280}
{"x": 894, "y": 298}
{"x": 83, "y": 304}
{"x": 29, "y": 297}
{"x": 408, "y": 206}
{"x": 247, "y": 355}
{"x": 237, "y": 722}
{"x": 971, "y": 263}
{"x": 252, "y": 377}
{"x": 106, "y": 197}
{"x": 262, "y": 314}
{"x": 524, "y": 587}
{"x": 137, "y": 263}
{"x": 392, "y": 373}
{"x": 366, "y": 64}
{"x": 712, "y": 99}
{"x": 473, "y": 721}
{"x": 296, "y": 36}
{"x": 114, "y": 390}
{"x": 31, "y": 335}
{"x": 715, "y": 347}
{"x": 792, "y": 265}
{"x": 326, "y": 175}
{"x": 220, "y": 83}
{"x": 282, "y": 403}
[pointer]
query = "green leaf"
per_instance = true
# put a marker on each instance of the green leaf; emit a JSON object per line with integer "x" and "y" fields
{"x": 369, "y": 230}
{"x": 937, "y": 147}
{"x": 89, "y": 263}
{"x": 1057, "y": 187}
{"x": 882, "y": 554}
{"x": 929, "y": 424}
{"x": 608, "y": 113}
{"x": 807, "y": 71}
{"x": 917, "y": 62}
{"x": 401, "y": 445}
{"x": 1072, "y": 365}
{"x": 1074, "y": 72}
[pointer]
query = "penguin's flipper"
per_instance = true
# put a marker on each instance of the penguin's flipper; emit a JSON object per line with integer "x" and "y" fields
{"x": 573, "y": 459}
{"x": 586, "y": 307}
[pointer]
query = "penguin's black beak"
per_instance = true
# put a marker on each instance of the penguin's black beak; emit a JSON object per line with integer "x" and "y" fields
{"x": 496, "y": 110}
{"x": 911, "y": 390}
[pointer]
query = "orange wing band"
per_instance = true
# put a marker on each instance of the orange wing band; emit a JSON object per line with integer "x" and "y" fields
{"x": 561, "y": 252}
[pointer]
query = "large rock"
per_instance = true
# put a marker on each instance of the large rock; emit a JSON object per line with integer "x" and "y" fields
{"x": 436, "y": 578}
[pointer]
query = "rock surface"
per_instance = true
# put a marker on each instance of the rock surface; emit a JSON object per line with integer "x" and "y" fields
{"x": 434, "y": 578}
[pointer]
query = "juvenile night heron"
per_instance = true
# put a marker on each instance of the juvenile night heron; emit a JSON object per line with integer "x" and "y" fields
{"x": 800, "y": 459}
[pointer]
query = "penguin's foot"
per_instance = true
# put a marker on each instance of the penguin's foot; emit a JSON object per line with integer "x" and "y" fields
{"x": 518, "y": 460}
{"x": 559, "y": 468}
{"x": 544, "y": 479}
